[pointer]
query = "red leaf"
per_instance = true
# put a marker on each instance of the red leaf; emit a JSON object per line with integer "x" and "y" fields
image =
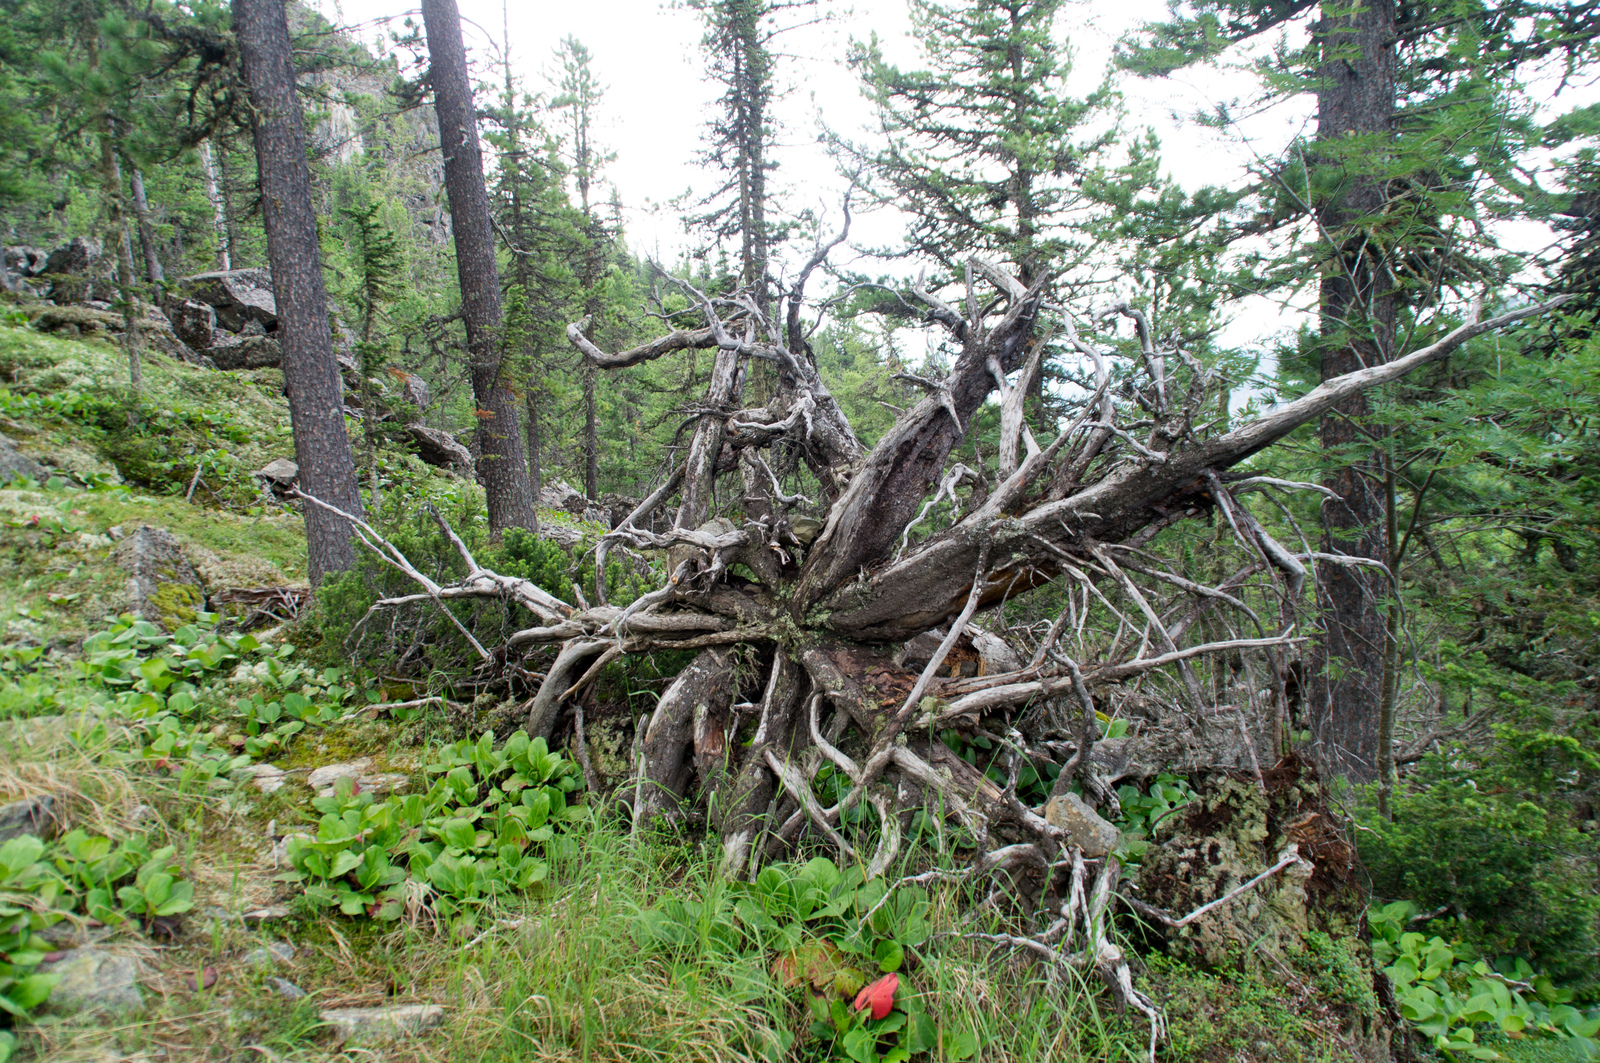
{"x": 206, "y": 978}
{"x": 879, "y": 996}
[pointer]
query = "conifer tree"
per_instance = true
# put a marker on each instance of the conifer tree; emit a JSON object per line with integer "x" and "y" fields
{"x": 739, "y": 57}
{"x": 985, "y": 150}
{"x": 502, "y": 465}
{"x": 1414, "y": 111}
{"x": 310, "y": 372}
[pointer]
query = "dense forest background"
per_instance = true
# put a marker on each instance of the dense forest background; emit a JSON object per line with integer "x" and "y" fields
{"x": 1419, "y": 563}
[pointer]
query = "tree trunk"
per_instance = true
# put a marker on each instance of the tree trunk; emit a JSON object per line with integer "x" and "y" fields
{"x": 219, "y": 207}
{"x": 502, "y": 465}
{"x": 116, "y": 202}
{"x": 1358, "y": 301}
{"x": 147, "y": 234}
{"x": 591, "y": 438}
{"x": 310, "y": 371}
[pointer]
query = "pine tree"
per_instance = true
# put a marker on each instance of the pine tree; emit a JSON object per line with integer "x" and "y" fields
{"x": 310, "y": 371}
{"x": 739, "y": 57}
{"x": 985, "y": 150}
{"x": 502, "y": 465}
{"x": 1415, "y": 109}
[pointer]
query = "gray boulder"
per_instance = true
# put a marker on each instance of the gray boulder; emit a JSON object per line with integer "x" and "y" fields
{"x": 440, "y": 449}
{"x": 35, "y": 815}
{"x": 94, "y": 979}
{"x": 77, "y": 255}
{"x": 247, "y": 352}
{"x": 192, "y": 322}
{"x": 237, "y": 295}
{"x": 14, "y": 464}
{"x": 163, "y": 586}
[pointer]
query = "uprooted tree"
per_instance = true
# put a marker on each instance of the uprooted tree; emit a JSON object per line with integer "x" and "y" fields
{"x": 821, "y": 612}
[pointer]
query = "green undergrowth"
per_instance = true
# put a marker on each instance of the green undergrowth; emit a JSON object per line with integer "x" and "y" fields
{"x": 188, "y": 432}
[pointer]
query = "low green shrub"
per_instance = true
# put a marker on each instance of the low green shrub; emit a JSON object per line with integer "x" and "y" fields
{"x": 1454, "y": 998}
{"x": 1492, "y": 844}
{"x": 477, "y": 834}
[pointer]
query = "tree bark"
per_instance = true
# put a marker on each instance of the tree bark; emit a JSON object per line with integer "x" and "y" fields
{"x": 502, "y": 463}
{"x": 310, "y": 370}
{"x": 219, "y": 207}
{"x": 147, "y": 234}
{"x": 1358, "y": 302}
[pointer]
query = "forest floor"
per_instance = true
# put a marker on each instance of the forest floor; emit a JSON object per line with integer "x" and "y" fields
{"x": 596, "y": 942}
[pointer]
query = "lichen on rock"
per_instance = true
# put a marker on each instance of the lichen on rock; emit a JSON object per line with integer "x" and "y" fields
{"x": 163, "y": 586}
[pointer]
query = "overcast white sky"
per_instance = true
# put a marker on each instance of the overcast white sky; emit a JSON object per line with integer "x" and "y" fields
{"x": 646, "y": 53}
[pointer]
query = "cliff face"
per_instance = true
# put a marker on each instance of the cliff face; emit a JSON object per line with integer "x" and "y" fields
{"x": 356, "y": 118}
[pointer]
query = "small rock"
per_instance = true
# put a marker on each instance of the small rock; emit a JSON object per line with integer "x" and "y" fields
{"x": 286, "y": 989}
{"x": 273, "y": 953}
{"x": 279, "y": 473}
{"x": 323, "y": 779}
{"x": 268, "y": 778}
{"x": 35, "y": 815}
{"x": 1084, "y": 826}
{"x": 383, "y": 1024}
{"x": 95, "y": 980}
{"x": 267, "y": 914}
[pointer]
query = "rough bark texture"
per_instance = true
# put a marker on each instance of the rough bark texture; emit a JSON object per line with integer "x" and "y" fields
{"x": 502, "y": 463}
{"x": 147, "y": 235}
{"x": 310, "y": 370}
{"x": 1359, "y": 297}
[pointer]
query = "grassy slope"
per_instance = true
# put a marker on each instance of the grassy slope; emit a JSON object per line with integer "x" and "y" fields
{"x": 554, "y": 975}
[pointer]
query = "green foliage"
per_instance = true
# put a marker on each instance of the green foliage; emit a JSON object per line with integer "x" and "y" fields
{"x": 826, "y": 932}
{"x": 473, "y": 837}
{"x": 28, "y": 894}
{"x": 1452, "y": 996}
{"x": 1143, "y": 809}
{"x": 1492, "y": 841}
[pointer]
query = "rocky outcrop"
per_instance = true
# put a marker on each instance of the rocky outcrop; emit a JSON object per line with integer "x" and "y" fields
{"x": 163, "y": 586}
{"x": 14, "y": 464}
{"x": 237, "y": 296}
{"x": 95, "y": 319}
{"x": 77, "y": 255}
{"x": 440, "y": 449}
